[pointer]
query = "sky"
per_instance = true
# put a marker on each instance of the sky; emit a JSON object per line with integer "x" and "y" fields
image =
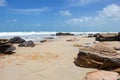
{"x": 60, "y": 15}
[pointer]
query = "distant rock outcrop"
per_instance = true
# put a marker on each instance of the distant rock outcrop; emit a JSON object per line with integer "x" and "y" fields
{"x": 45, "y": 40}
{"x": 90, "y": 35}
{"x": 5, "y": 46}
{"x": 100, "y": 57}
{"x": 17, "y": 39}
{"x": 102, "y": 75}
{"x": 107, "y": 37}
{"x": 27, "y": 44}
{"x": 64, "y": 34}
{"x": 49, "y": 38}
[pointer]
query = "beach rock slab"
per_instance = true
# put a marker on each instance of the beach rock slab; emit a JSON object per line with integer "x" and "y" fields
{"x": 117, "y": 48}
{"x": 98, "y": 57}
{"x": 50, "y": 38}
{"x": 102, "y": 75}
{"x": 77, "y": 45}
{"x": 17, "y": 39}
{"x": 27, "y": 44}
{"x": 64, "y": 34}
{"x": 107, "y": 37}
{"x": 5, "y": 46}
{"x": 90, "y": 35}
{"x": 45, "y": 40}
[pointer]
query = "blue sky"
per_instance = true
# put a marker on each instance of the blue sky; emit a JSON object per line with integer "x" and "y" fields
{"x": 59, "y": 15}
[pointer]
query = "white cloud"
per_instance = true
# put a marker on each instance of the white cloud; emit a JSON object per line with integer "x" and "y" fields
{"x": 109, "y": 15}
{"x": 81, "y": 2}
{"x": 33, "y": 25}
{"x": 111, "y": 10}
{"x": 3, "y": 3}
{"x": 38, "y": 24}
{"x": 30, "y": 11}
{"x": 12, "y": 20}
{"x": 65, "y": 13}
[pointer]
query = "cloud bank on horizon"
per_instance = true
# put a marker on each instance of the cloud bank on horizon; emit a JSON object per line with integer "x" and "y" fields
{"x": 59, "y": 15}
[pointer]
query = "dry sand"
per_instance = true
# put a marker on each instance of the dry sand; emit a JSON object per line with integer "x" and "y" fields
{"x": 46, "y": 61}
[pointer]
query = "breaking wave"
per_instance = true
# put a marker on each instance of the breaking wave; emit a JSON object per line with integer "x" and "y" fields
{"x": 25, "y": 33}
{"x": 42, "y": 33}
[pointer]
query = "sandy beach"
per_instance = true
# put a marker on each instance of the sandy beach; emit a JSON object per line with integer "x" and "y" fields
{"x": 52, "y": 60}
{"x": 59, "y": 39}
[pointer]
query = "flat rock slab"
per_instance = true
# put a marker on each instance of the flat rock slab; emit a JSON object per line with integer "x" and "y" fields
{"x": 102, "y": 75}
{"x": 101, "y": 58}
{"x": 108, "y": 37}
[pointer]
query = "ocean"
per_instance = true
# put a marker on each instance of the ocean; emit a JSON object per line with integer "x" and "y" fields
{"x": 38, "y": 36}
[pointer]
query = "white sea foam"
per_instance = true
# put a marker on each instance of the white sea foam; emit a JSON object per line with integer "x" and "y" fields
{"x": 43, "y": 33}
{"x": 25, "y": 33}
{"x": 37, "y": 36}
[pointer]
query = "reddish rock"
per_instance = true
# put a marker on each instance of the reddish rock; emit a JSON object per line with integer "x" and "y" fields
{"x": 102, "y": 75}
{"x": 100, "y": 57}
{"x": 108, "y": 37}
